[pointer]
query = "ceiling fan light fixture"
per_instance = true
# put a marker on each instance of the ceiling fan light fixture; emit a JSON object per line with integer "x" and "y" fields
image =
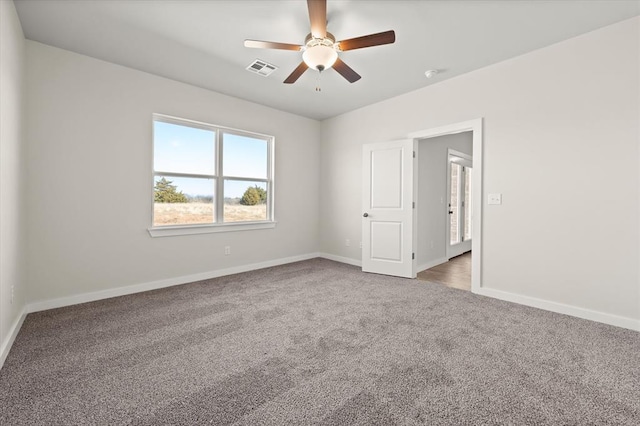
{"x": 320, "y": 49}
{"x": 320, "y": 57}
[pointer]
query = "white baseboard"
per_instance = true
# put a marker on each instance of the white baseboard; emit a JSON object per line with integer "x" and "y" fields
{"x": 561, "y": 308}
{"x": 432, "y": 263}
{"x": 11, "y": 337}
{"x": 154, "y": 285}
{"x": 341, "y": 259}
{"x": 615, "y": 320}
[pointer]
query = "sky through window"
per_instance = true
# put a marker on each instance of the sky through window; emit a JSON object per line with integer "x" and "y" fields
{"x": 183, "y": 149}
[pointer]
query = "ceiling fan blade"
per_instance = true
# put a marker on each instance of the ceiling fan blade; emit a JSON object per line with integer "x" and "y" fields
{"x": 300, "y": 69}
{"x": 370, "y": 40}
{"x": 346, "y": 71}
{"x": 318, "y": 17}
{"x": 258, "y": 44}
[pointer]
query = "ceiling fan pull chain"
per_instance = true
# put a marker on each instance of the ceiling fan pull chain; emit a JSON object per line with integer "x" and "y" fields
{"x": 318, "y": 88}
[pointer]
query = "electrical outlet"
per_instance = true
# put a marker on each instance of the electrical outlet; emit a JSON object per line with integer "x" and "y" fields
{"x": 227, "y": 250}
{"x": 12, "y": 293}
{"x": 347, "y": 243}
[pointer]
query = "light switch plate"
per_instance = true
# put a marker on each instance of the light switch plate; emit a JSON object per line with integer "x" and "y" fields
{"x": 495, "y": 199}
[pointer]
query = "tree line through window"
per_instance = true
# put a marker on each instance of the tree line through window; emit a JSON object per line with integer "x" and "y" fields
{"x": 205, "y": 174}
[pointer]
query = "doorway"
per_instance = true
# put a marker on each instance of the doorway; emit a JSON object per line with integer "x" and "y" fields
{"x": 455, "y": 272}
{"x": 444, "y": 194}
{"x": 464, "y": 231}
{"x": 391, "y": 204}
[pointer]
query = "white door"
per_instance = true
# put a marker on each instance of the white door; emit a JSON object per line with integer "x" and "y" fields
{"x": 459, "y": 204}
{"x": 387, "y": 208}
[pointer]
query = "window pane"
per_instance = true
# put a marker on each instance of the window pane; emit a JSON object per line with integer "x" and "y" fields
{"x": 453, "y": 203}
{"x": 244, "y": 156}
{"x": 183, "y": 149}
{"x": 245, "y": 201}
{"x": 468, "y": 203}
{"x": 183, "y": 201}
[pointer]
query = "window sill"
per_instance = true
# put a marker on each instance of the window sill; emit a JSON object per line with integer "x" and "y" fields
{"x": 171, "y": 231}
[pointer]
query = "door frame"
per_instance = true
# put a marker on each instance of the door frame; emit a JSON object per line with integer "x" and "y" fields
{"x": 475, "y": 126}
{"x": 468, "y": 160}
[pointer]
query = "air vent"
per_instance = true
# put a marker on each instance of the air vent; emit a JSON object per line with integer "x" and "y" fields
{"x": 261, "y": 67}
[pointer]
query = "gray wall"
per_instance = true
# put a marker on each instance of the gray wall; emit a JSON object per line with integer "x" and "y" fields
{"x": 12, "y": 177}
{"x": 560, "y": 143}
{"x": 90, "y": 168}
{"x": 432, "y": 195}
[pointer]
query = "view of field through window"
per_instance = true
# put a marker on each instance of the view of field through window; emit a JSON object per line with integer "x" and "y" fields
{"x": 186, "y": 178}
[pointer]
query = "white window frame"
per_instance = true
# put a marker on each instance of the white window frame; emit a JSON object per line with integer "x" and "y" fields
{"x": 219, "y": 178}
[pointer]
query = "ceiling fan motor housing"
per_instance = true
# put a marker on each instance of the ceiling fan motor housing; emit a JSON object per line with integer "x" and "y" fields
{"x": 320, "y": 53}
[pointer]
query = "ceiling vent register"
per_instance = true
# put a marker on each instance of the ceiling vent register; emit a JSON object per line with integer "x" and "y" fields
{"x": 261, "y": 67}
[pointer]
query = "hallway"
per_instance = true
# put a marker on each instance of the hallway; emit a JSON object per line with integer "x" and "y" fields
{"x": 455, "y": 273}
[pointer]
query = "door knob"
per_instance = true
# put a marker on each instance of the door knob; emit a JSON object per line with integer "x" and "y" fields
{"x": 365, "y": 215}
{"x": 450, "y": 211}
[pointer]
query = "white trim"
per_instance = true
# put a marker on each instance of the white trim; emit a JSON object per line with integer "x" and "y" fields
{"x": 172, "y": 231}
{"x": 561, "y": 308}
{"x": 476, "y": 127}
{"x": 416, "y": 209}
{"x": 172, "y": 119}
{"x": 341, "y": 259}
{"x": 218, "y": 177}
{"x": 185, "y": 279}
{"x": 463, "y": 156}
{"x": 449, "y": 129}
{"x": 154, "y": 285}
{"x": 614, "y": 320}
{"x": 13, "y": 333}
{"x": 432, "y": 264}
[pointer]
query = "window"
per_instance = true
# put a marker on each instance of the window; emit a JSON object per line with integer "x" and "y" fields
{"x": 208, "y": 178}
{"x": 460, "y": 202}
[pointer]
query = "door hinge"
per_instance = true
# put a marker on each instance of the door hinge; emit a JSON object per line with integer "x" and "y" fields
{"x": 413, "y": 255}
{"x": 414, "y": 154}
{"x": 414, "y": 204}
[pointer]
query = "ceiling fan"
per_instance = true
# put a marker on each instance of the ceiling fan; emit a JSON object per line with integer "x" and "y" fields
{"x": 320, "y": 48}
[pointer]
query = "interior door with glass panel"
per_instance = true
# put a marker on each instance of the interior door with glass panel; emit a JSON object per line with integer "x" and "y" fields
{"x": 460, "y": 175}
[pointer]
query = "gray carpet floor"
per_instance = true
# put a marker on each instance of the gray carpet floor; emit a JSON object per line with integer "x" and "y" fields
{"x": 317, "y": 342}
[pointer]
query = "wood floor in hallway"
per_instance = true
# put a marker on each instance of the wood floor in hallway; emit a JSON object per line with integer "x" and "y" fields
{"x": 455, "y": 273}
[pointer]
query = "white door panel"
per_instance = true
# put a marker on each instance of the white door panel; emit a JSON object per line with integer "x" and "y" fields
{"x": 386, "y": 241}
{"x": 386, "y": 178}
{"x": 387, "y": 203}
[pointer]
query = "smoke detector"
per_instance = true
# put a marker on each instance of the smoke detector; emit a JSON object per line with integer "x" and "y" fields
{"x": 430, "y": 73}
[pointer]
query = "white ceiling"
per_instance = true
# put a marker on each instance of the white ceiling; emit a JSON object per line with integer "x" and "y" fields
{"x": 201, "y": 42}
